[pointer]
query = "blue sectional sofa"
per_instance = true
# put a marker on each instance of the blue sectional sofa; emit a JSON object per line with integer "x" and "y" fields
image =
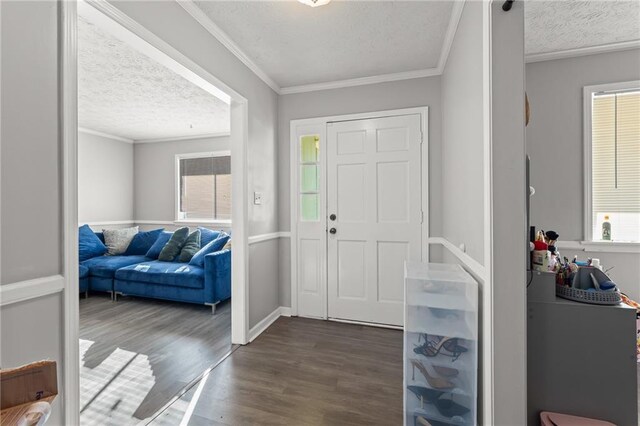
{"x": 137, "y": 275}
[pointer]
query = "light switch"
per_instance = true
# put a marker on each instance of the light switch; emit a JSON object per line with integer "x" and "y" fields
{"x": 257, "y": 198}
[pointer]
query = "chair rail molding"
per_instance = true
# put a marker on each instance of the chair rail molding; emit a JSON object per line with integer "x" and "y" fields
{"x": 473, "y": 265}
{"x": 30, "y": 289}
{"x": 267, "y": 237}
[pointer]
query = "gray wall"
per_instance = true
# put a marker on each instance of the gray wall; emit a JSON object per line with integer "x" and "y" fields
{"x": 170, "y": 22}
{"x": 375, "y": 97}
{"x": 154, "y": 174}
{"x": 30, "y": 183}
{"x": 105, "y": 179}
{"x": 462, "y": 136}
{"x": 555, "y": 144}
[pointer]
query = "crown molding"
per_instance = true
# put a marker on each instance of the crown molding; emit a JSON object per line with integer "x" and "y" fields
{"x": 104, "y": 135}
{"x": 198, "y": 14}
{"x": 374, "y": 79}
{"x": 583, "y": 51}
{"x": 454, "y": 20}
{"x": 184, "y": 138}
{"x": 192, "y": 9}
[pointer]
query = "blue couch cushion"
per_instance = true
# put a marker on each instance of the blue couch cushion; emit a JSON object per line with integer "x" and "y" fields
{"x": 212, "y": 247}
{"x": 207, "y": 235}
{"x": 83, "y": 271}
{"x": 164, "y": 273}
{"x": 106, "y": 266}
{"x": 157, "y": 247}
{"x": 142, "y": 242}
{"x": 89, "y": 245}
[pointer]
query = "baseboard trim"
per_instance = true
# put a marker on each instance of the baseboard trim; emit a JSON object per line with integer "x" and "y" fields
{"x": 266, "y": 322}
{"x": 30, "y": 289}
{"x": 368, "y": 324}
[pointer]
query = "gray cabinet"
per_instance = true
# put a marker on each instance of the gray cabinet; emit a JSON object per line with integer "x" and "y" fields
{"x": 581, "y": 357}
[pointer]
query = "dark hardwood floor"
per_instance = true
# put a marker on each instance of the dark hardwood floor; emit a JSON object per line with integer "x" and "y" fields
{"x": 137, "y": 354}
{"x": 301, "y": 372}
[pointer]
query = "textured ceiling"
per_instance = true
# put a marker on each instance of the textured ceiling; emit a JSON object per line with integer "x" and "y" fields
{"x": 124, "y": 93}
{"x": 296, "y": 44}
{"x": 569, "y": 24}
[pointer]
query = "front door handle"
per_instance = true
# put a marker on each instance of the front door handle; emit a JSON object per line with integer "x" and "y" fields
{"x": 332, "y": 231}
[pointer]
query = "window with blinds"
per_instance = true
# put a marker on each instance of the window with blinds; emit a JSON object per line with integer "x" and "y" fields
{"x": 615, "y": 165}
{"x": 204, "y": 187}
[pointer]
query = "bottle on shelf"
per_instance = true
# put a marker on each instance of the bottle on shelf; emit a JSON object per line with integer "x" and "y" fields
{"x": 606, "y": 228}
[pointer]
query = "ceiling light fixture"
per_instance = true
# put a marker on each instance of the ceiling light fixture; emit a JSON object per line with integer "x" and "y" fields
{"x": 314, "y": 3}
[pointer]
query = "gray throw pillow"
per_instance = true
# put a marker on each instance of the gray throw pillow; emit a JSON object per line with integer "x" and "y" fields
{"x": 190, "y": 247}
{"x": 174, "y": 245}
{"x": 117, "y": 240}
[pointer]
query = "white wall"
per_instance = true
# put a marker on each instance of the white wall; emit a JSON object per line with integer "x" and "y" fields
{"x": 555, "y": 144}
{"x": 154, "y": 174}
{"x": 30, "y": 184}
{"x": 462, "y": 137}
{"x": 374, "y": 97}
{"x": 170, "y": 22}
{"x": 105, "y": 179}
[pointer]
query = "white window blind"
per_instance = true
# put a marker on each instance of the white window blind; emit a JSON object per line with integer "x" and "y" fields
{"x": 615, "y": 164}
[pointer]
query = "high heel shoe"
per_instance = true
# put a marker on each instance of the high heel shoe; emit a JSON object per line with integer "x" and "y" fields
{"x": 449, "y": 344}
{"x": 446, "y": 407}
{"x": 425, "y": 394}
{"x": 421, "y": 421}
{"x": 450, "y": 408}
{"x": 446, "y": 371}
{"x": 434, "y": 382}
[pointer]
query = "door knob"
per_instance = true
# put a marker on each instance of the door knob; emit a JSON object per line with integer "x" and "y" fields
{"x": 332, "y": 231}
{"x": 333, "y": 216}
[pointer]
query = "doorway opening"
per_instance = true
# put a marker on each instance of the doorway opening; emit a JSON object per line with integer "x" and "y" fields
{"x": 189, "y": 156}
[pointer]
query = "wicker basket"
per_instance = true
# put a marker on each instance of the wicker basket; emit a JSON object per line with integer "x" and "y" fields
{"x": 581, "y": 289}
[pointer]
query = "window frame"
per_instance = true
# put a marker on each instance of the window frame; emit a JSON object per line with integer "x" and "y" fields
{"x": 178, "y": 157}
{"x": 588, "y": 92}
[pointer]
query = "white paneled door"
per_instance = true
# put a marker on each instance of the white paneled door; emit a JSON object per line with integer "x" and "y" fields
{"x": 374, "y": 215}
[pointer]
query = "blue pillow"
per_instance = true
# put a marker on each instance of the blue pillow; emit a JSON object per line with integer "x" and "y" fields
{"x": 157, "y": 247}
{"x": 89, "y": 245}
{"x": 212, "y": 247}
{"x": 142, "y": 242}
{"x": 207, "y": 235}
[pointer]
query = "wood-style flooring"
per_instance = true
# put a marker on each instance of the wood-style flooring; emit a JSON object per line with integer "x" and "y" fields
{"x": 301, "y": 372}
{"x": 137, "y": 354}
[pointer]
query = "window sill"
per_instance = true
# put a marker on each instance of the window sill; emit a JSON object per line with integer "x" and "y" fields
{"x": 600, "y": 246}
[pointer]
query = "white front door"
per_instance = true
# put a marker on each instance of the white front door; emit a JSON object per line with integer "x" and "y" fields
{"x": 374, "y": 191}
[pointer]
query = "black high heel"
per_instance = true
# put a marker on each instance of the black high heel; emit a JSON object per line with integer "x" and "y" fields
{"x": 449, "y": 344}
{"x": 425, "y": 394}
{"x": 446, "y": 407}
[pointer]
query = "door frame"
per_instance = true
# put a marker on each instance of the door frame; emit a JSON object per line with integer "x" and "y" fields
{"x": 321, "y": 124}
{"x": 68, "y": 87}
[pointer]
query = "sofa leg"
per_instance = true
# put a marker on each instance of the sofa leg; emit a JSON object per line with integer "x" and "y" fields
{"x": 86, "y": 294}
{"x": 213, "y": 308}
{"x": 115, "y": 296}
